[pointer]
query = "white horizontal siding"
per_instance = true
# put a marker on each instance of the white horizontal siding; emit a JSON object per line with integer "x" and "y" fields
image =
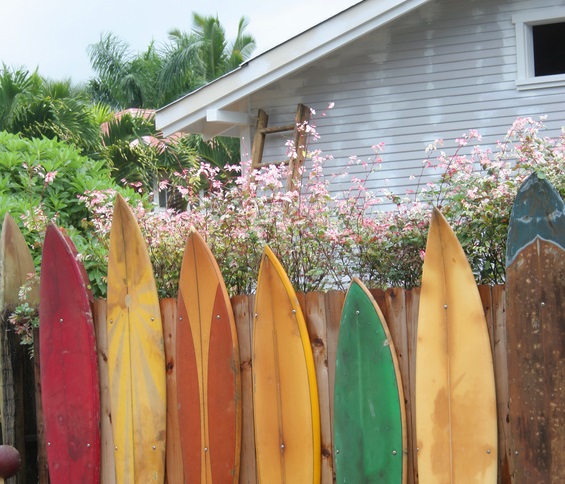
{"x": 435, "y": 73}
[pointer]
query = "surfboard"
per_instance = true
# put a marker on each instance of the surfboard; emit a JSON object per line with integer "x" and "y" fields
{"x": 285, "y": 395}
{"x": 456, "y": 424}
{"x": 69, "y": 365}
{"x": 208, "y": 370}
{"x": 369, "y": 416}
{"x": 535, "y": 329}
{"x": 136, "y": 355}
{"x": 16, "y": 263}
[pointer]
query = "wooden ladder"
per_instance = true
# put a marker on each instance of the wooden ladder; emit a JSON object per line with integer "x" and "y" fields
{"x": 299, "y": 138}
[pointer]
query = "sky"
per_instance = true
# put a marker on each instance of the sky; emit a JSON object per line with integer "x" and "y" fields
{"x": 53, "y": 35}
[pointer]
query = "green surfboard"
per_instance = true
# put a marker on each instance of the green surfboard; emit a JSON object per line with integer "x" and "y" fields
{"x": 369, "y": 417}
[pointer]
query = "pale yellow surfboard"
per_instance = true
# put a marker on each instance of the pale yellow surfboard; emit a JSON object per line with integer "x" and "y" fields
{"x": 285, "y": 395}
{"x": 136, "y": 355}
{"x": 456, "y": 422}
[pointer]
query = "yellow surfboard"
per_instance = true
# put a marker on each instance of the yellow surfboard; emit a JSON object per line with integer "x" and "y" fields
{"x": 456, "y": 422}
{"x": 136, "y": 356}
{"x": 285, "y": 395}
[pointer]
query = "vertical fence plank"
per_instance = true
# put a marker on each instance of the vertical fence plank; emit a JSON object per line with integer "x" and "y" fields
{"x": 243, "y": 313}
{"x": 108, "y": 473}
{"x": 412, "y": 300}
{"x": 334, "y": 306}
{"x": 395, "y": 304}
{"x": 42, "y": 467}
{"x": 173, "y": 465}
{"x": 501, "y": 380}
{"x": 315, "y": 314}
{"x": 486, "y": 297}
{"x": 13, "y": 424}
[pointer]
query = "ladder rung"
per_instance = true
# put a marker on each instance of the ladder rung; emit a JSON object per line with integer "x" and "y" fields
{"x": 277, "y": 129}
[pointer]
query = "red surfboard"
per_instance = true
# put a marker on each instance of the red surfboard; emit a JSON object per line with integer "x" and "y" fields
{"x": 208, "y": 378}
{"x": 69, "y": 369}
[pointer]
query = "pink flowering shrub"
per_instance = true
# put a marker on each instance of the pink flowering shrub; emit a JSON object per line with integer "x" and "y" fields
{"x": 324, "y": 239}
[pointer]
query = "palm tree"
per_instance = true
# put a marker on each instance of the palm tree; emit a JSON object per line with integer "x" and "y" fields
{"x": 195, "y": 58}
{"x": 124, "y": 79}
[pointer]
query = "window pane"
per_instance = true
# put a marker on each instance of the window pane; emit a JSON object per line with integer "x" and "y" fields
{"x": 549, "y": 49}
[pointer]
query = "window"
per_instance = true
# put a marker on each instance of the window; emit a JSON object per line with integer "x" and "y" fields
{"x": 540, "y": 48}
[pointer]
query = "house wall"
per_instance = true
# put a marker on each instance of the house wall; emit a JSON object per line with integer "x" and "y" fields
{"x": 437, "y": 72}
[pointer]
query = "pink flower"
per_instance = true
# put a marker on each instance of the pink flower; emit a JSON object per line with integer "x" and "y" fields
{"x": 49, "y": 177}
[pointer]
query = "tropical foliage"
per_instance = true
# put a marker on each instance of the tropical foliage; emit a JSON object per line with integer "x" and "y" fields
{"x": 36, "y": 107}
{"x": 41, "y": 180}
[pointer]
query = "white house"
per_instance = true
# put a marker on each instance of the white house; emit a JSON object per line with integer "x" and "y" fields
{"x": 401, "y": 72}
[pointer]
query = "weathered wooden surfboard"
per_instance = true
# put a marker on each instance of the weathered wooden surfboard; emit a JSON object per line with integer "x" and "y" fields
{"x": 369, "y": 417}
{"x": 208, "y": 370}
{"x": 285, "y": 395}
{"x": 456, "y": 420}
{"x": 16, "y": 264}
{"x": 136, "y": 355}
{"x": 69, "y": 369}
{"x": 535, "y": 328}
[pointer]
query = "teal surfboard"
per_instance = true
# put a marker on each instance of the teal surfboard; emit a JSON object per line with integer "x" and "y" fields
{"x": 369, "y": 416}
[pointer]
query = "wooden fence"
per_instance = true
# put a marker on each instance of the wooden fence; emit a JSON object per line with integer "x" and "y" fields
{"x": 322, "y": 312}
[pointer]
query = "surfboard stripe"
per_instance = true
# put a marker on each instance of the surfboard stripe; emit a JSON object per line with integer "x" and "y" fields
{"x": 370, "y": 421}
{"x": 136, "y": 358}
{"x": 456, "y": 421}
{"x": 285, "y": 398}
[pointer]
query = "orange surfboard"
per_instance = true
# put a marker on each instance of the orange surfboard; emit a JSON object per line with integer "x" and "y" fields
{"x": 285, "y": 393}
{"x": 207, "y": 370}
{"x": 456, "y": 420}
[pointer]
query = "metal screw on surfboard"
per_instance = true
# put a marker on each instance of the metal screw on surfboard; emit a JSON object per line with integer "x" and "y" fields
{"x": 488, "y": 451}
{"x": 10, "y": 462}
{"x": 61, "y": 320}
{"x": 218, "y": 316}
{"x": 154, "y": 447}
{"x": 394, "y": 452}
{"x": 294, "y": 311}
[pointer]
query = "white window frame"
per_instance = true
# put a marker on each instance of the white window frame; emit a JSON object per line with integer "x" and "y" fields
{"x": 525, "y": 48}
